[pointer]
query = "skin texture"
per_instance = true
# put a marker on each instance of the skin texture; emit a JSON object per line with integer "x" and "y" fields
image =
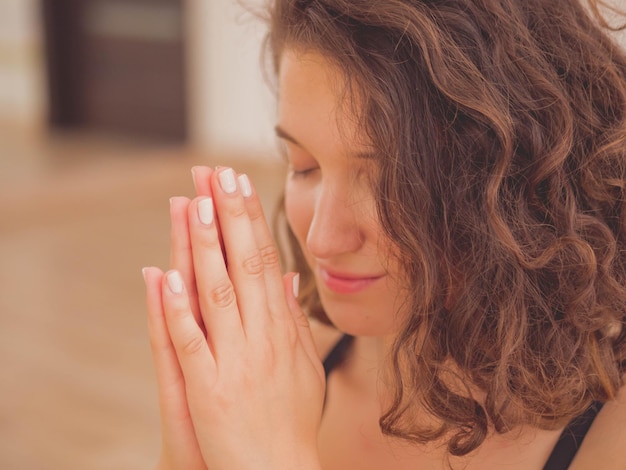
{"x": 328, "y": 200}
{"x": 222, "y": 355}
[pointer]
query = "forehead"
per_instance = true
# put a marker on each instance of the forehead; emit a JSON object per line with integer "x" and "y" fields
{"x": 314, "y": 99}
{"x": 307, "y": 82}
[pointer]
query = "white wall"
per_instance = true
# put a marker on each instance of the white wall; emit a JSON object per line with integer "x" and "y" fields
{"x": 231, "y": 106}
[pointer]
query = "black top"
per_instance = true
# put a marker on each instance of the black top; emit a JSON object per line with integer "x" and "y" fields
{"x": 567, "y": 445}
{"x": 337, "y": 354}
{"x": 571, "y": 439}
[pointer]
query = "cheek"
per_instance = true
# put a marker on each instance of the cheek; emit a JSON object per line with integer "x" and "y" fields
{"x": 299, "y": 209}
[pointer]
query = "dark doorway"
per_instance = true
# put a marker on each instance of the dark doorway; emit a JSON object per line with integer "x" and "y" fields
{"x": 117, "y": 66}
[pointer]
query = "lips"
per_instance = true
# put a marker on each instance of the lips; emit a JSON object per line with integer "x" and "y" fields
{"x": 347, "y": 283}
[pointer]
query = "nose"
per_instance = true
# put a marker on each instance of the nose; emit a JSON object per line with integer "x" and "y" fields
{"x": 335, "y": 227}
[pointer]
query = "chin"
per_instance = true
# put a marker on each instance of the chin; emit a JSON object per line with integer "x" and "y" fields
{"x": 359, "y": 319}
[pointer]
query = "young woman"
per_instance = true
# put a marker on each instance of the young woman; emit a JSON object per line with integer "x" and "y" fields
{"x": 457, "y": 210}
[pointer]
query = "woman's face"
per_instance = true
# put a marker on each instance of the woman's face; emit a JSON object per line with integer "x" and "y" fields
{"x": 329, "y": 200}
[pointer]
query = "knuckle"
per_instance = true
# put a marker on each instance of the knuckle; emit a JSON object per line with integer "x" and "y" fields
{"x": 253, "y": 264}
{"x": 223, "y": 295}
{"x": 208, "y": 239}
{"x": 270, "y": 255}
{"x": 255, "y": 211}
{"x": 237, "y": 210}
{"x": 178, "y": 311}
{"x": 193, "y": 345}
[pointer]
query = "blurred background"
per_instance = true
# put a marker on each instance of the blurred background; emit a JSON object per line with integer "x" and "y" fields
{"x": 105, "y": 105}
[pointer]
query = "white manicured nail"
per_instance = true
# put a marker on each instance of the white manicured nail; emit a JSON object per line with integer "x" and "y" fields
{"x": 228, "y": 181}
{"x": 175, "y": 282}
{"x": 296, "y": 285}
{"x": 205, "y": 211}
{"x": 244, "y": 184}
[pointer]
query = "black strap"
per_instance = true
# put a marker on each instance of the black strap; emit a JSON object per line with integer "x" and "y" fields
{"x": 571, "y": 439}
{"x": 337, "y": 354}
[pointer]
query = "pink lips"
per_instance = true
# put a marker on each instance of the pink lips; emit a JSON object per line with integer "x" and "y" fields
{"x": 346, "y": 283}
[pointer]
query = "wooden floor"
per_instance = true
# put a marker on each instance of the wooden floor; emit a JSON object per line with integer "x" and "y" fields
{"x": 79, "y": 217}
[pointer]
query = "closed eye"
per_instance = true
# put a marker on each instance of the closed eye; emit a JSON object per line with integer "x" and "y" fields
{"x": 303, "y": 173}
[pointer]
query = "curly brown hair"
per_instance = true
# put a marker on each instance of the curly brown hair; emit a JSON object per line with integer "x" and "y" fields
{"x": 501, "y": 130}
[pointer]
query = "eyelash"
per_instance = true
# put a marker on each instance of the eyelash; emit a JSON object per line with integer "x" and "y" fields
{"x": 303, "y": 173}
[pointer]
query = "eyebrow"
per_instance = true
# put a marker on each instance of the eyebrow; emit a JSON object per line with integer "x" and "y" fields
{"x": 361, "y": 155}
{"x": 282, "y": 134}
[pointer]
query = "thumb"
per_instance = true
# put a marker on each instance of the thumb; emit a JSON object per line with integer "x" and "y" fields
{"x": 291, "y": 283}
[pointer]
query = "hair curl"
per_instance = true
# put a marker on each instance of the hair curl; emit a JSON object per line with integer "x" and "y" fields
{"x": 501, "y": 127}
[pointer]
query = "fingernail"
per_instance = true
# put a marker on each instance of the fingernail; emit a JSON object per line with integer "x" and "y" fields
{"x": 175, "y": 282}
{"x": 296, "y": 285}
{"x": 143, "y": 273}
{"x": 205, "y": 211}
{"x": 244, "y": 184}
{"x": 227, "y": 181}
{"x": 174, "y": 198}
{"x": 193, "y": 177}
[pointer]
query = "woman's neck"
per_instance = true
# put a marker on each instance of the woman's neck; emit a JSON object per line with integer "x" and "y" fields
{"x": 363, "y": 371}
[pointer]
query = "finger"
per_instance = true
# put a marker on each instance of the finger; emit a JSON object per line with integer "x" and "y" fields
{"x": 291, "y": 285}
{"x": 202, "y": 182}
{"x": 201, "y": 176}
{"x": 180, "y": 250}
{"x": 267, "y": 248}
{"x": 245, "y": 264}
{"x": 171, "y": 385}
{"x": 195, "y": 358}
{"x": 178, "y": 432}
{"x": 216, "y": 293}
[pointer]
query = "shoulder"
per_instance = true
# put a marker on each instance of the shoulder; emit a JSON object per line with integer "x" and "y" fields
{"x": 603, "y": 446}
{"x": 324, "y": 337}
